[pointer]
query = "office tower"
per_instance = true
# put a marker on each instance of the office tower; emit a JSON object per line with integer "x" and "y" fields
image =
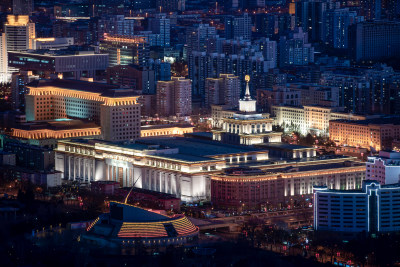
{"x": 294, "y": 49}
{"x": 160, "y": 26}
{"x": 336, "y": 27}
{"x": 174, "y": 98}
{"x": 309, "y": 16}
{"x": 228, "y": 26}
{"x": 115, "y": 109}
{"x": 242, "y": 27}
{"x": 125, "y": 50}
{"x": 374, "y": 40}
{"x": 4, "y": 74}
{"x": 22, "y": 7}
{"x": 19, "y": 32}
{"x": 167, "y": 5}
{"x": 224, "y": 90}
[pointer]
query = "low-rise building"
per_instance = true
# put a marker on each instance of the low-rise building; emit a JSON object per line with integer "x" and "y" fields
{"x": 165, "y": 129}
{"x": 370, "y": 209}
{"x": 384, "y": 168}
{"x": 376, "y": 134}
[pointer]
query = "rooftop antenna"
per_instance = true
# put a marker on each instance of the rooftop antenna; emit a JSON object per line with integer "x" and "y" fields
{"x": 130, "y": 191}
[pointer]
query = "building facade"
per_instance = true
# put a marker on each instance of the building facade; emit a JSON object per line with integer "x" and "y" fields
{"x": 384, "y": 168}
{"x": 115, "y": 110}
{"x": 376, "y": 134}
{"x": 372, "y": 208}
{"x": 174, "y": 98}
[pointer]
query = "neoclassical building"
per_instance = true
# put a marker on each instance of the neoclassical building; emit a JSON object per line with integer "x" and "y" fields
{"x": 245, "y": 126}
{"x": 179, "y": 166}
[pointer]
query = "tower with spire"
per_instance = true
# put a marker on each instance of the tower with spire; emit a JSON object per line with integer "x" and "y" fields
{"x": 246, "y": 126}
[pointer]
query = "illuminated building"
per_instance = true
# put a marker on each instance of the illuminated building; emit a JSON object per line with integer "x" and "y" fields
{"x": 246, "y": 126}
{"x": 19, "y": 32}
{"x": 376, "y": 134}
{"x": 116, "y": 110}
{"x": 282, "y": 182}
{"x": 51, "y": 131}
{"x": 384, "y": 168}
{"x": 4, "y": 73}
{"x": 165, "y": 129}
{"x": 224, "y": 90}
{"x": 124, "y": 50}
{"x": 179, "y": 166}
{"x": 52, "y": 43}
{"x": 174, "y": 98}
{"x": 372, "y": 208}
{"x": 309, "y": 119}
{"x": 160, "y": 27}
{"x": 128, "y": 226}
{"x": 64, "y": 63}
{"x": 295, "y": 49}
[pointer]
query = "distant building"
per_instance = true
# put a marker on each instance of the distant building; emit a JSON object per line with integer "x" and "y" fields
{"x": 295, "y": 50}
{"x": 309, "y": 119}
{"x": 376, "y": 134}
{"x": 124, "y": 50}
{"x": 160, "y": 26}
{"x": 116, "y": 110}
{"x": 309, "y": 16}
{"x": 374, "y": 40}
{"x": 174, "y": 98}
{"x": 52, "y": 43}
{"x": 224, "y": 90}
{"x": 63, "y": 63}
{"x": 19, "y": 33}
{"x": 384, "y": 168}
{"x": 370, "y": 209}
{"x": 133, "y": 76}
{"x": 5, "y": 75}
{"x": 18, "y": 82}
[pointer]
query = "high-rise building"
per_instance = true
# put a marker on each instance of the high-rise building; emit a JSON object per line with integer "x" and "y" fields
{"x": 167, "y": 5}
{"x": 19, "y": 33}
{"x": 160, "y": 26}
{"x": 371, "y": 9}
{"x": 4, "y": 74}
{"x": 18, "y": 88}
{"x": 115, "y": 109}
{"x": 374, "y": 40}
{"x": 242, "y": 27}
{"x": 22, "y": 7}
{"x": 174, "y": 98}
{"x": 336, "y": 27}
{"x": 126, "y": 50}
{"x": 295, "y": 50}
{"x": 224, "y": 90}
{"x": 309, "y": 16}
{"x": 139, "y": 78}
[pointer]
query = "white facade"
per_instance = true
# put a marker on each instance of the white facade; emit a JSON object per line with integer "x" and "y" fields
{"x": 385, "y": 168}
{"x": 374, "y": 208}
{"x": 52, "y": 43}
{"x": 308, "y": 119}
{"x": 152, "y": 167}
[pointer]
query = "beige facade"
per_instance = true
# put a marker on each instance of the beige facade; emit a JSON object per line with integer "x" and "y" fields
{"x": 174, "y": 98}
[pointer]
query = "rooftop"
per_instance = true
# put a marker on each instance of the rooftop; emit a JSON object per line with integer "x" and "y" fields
{"x": 104, "y": 89}
{"x": 395, "y": 120}
{"x": 56, "y": 125}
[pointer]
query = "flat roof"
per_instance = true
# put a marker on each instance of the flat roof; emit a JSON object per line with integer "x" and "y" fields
{"x": 164, "y": 126}
{"x": 108, "y": 90}
{"x": 281, "y": 145}
{"x": 386, "y": 120}
{"x": 56, "y": 125}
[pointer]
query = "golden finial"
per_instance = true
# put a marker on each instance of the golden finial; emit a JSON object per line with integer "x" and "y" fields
{"x": 247, "y": 78}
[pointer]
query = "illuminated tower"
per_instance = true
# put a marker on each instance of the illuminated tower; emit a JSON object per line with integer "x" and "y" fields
{"x": 19, "y": 33}
{"x": 247, "y": 127}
